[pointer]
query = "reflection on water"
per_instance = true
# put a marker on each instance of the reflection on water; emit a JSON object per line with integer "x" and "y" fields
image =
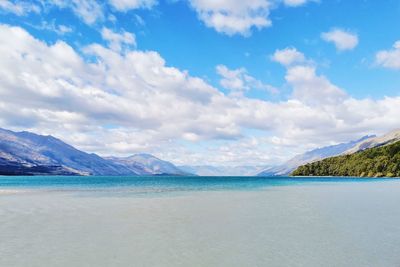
{"x": 198, "y": 222}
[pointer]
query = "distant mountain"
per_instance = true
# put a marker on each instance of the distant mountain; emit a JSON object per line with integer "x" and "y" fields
{"x": 206, "y": 170}
{"x": 311, "y": 156}
{"x": 374, "y": 141}
{"x": 144, "y": 164}
{"x": 26, "y": 153}
{"x": 34, "y": 152}
{"x": 382, "y": 160}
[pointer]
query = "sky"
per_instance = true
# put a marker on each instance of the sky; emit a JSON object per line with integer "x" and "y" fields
{"x": 201, "y": 82}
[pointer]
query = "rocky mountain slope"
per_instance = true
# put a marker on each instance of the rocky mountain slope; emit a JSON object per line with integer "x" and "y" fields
{"x": 26, "y": 153}
{"x": 311, "y": 156}
{"x": 380, "y": 161}
{"x": 375, "y": 141}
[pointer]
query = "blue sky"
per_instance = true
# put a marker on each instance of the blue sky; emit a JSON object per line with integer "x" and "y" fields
{"x": 208, "y": 74}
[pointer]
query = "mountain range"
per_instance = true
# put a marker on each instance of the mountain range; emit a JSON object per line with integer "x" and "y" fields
{"x": 289, "y": 166}
{"x": 311, "y": 156}
{"x": 373, "y": 157}
{"x": 26, "y": 153}
{"x": 375, "y": 141}
{"x": 144, "y": 164}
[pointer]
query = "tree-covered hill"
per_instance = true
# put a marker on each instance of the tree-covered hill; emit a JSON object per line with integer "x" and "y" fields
{"x": 381, "y": 161}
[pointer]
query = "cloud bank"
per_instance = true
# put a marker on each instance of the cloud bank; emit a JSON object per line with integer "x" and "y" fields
{"x": 112, "y": 102}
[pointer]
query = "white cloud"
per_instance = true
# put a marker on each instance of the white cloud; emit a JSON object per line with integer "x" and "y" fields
{"x": 64, "y": 29}
{"x": 117, "y": 41}
{"x": 288, "y": 56}
{"x": 308, "y": 87}
{"x": 92, "y": 11}
{"x": 139, "y": 20}
{"x": 233, "y": 16}
{"x": 294, "y": 3}
{"x": 89, "y": 11}
{"x": 225, "y": 16}
{"x": 124, "y": 5}
{"x": 134, "y": 90}
{"x": 343, "y": 40}
{"x": 123, "y": 103}
{"x": 232, "y": 79}
{"x": 389, "y": 58}
{"x": 19, "y": 8}
{"x": 312, "y": 89}
{"x": 52, "y": 26}
{"x": 236, "y": 16}
{"x": 239, "y": 81}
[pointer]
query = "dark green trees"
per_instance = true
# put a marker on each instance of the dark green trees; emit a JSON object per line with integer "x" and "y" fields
{"x": 381, "y": 161}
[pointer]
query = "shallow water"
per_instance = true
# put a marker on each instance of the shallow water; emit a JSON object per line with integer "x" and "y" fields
{"x": 198, "y": 221}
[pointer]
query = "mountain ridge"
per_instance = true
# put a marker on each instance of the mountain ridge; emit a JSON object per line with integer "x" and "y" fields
{"x": 27, "y": 153}
{"x": 373, "y": 157}
{"x": 375, "y": 141}
{"x": 311, "y": 156}
{"x": 379, "y": 161}
{"x": 147, "y": 163}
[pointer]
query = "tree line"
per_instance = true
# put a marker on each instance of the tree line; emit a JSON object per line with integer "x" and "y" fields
{"x": 383, "y": 161}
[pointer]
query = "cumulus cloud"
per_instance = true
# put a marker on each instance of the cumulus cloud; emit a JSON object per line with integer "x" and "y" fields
{"x": 124, "y": 5}
{"x": 118, "y": 40}
{"x": 343, "y": 40}
{"x": 19, "y": 8}
{"x": 233, "y": 16}
{"x": 132, "y": 90}
{"x": 389, "y": 58}
{"x": 288, "y": 56}
{"x": 238, "y": 17}
{"x": 123, "y": 103}
{"x": 238, "y": 81}
{"x": 308, "y": 86}
{"x": 312, "y": 89}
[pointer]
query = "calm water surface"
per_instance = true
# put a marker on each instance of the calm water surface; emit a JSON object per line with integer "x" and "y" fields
{"x": 198, "y": 221}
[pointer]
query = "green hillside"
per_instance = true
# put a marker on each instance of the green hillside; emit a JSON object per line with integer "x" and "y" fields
{"x": 381, "y": 161}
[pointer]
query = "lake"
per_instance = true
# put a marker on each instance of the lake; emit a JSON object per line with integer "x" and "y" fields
{"x": 199, "y": 221}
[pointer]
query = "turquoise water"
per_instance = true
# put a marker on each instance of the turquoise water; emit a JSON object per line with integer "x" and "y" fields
{"x": 199, "y": 221}
{"x": 168, "y": 183}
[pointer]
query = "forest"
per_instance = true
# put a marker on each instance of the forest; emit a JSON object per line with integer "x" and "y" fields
{"x": 383, "y": 161}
